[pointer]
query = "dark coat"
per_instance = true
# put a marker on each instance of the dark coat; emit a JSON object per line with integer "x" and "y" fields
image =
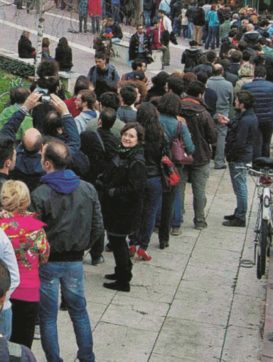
{"x": 99, "y": 159}
{"x": 72, "y": 219}
{"x": 25, "y": 48}
{"x": 201, "y": 127}
{"x": 190, "y": 58}
{"x": 262, "y": 90}
{"x": 241, "y": 136}
{"x": 64, "y": 58}
{"x": 134, "y": 44}
{"x": 124, "y": 181}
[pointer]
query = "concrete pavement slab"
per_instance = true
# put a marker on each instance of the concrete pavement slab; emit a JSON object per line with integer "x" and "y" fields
{"x": 181, "y": 338}
{"x": 242, "y": 344}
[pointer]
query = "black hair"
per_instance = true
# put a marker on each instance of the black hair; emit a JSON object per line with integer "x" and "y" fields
{"x": 246, "y": 55}
{"x": 18, "y": 95}
{"x": 160, "y": 79}
{"x": 193, "y": 43}
{"x": 195, "y": 88}
{"x": 5, "y": 279}
{"x": 107, "y": 117}
{"x": 48, "y": 75}
{"x": 82, "y": 82}
{"x": 58, "y": 153}
{"x": 259, "y": 60}
{"x": 169, "y": 104}
{"x": 260, "y": 71}
{"x": 211, "y": 56}
{"x": 53, "y": 121}
{"x": 176, "y": 84}
{"x": 110, "y": 99}
{"x": 100, "y": 55}
{"x": 225, "y": 63}
{"x": 137, "y": 63}
{"x": 148, "y": 117}
{"x": 246, "y": 98}
{"x": 63, "y": 42}
{"x": 7, "y": 147}
{"x": 128, "y": 95}
{"x": 139, "y": 130}
{"x": 202, "y": 77}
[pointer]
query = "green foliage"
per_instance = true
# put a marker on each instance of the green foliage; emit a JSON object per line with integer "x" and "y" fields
{"x": 16, "y": 67}
{"x": 8, "y": 81}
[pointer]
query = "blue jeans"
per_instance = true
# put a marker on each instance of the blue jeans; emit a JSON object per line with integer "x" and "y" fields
{"x": 70, "y": 276}
{"x": 147, "y": 17}
{"x": 152, "y": 202}
{"x": 176, "y": 26}
{"x": 238, "y": 175}
{"x": 213, "y": 36}
{"x": 5, "y": 322}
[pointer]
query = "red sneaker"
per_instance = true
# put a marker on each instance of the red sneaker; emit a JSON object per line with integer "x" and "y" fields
{"x": 142, "y": 253}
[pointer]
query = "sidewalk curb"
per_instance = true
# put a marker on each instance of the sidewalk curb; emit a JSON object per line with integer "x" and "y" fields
{"x": 267, "y": 353}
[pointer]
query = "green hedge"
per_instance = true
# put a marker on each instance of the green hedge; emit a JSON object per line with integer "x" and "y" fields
{"x": 16, "y": 67}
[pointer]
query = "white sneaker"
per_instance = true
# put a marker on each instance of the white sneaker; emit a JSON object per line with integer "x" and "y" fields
{"x": 37, "y": 334}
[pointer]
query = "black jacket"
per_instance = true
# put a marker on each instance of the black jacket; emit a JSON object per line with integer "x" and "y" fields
{"x": 124, "y": 184}
{"x": 25, "y": 48}
{"x": 99, "y": 159}
{"x": 134, "y": 44}
{"x": 190, "y": 58}
{"x": 73, "y": 220}
{"x": 198, "y": 17}
{"x": 201, "y": 127}
{"x": 64, "y": 58}
{"x": 240, "y": 138}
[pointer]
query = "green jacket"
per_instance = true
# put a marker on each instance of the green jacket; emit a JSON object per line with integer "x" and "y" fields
{"x": 8, "y": 112}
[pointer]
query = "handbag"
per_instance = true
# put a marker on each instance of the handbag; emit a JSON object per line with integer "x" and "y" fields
{"x": 179, "y": 154}
{"x": 169, "y": 173}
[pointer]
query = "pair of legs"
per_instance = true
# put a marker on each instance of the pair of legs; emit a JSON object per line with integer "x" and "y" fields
{"x": 6, "y": 322}
{"x": 263, "y": 139}
{"x": 24, "y": 315}
{"x": 151, "y": 204}
{"x": 198, "y": 176}
{"x": 213, "y": 37}
{"x": 83, "y": 19}
{"x": 197, "y": 34}
{"x": 123, "y": 269}
{"x": 238, "y": 175}
{"x": 166, "y": 216}
{"x": 70, "y": 276}
{"x": 95, "y": 21}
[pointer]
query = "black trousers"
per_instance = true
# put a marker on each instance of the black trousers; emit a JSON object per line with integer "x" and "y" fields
{"x": 123, "y": 269}
{"x": 166, "y": 214}
{"x": 23, "y": 321}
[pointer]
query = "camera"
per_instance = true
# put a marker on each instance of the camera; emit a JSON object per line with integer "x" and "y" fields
{"x": 45, "y": 99}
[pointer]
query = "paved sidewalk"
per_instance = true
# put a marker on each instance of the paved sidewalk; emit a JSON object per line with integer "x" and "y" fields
{"x": 192, "y": 302}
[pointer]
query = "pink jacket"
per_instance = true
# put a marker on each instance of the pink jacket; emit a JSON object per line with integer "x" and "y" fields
{"x": 31, "y": 248}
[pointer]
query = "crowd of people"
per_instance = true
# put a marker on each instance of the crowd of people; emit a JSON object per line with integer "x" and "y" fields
{"x": 87, "y": 173}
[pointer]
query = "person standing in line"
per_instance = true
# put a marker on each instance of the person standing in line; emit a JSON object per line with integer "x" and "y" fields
{"x": 213, "y": 24}
{"x": 239, "y": 152}
{"x": 83, "y": 10}
{"x": 95, "y": 12}
{"x": 30, "y": 244}
{"x": 224, "y": 90}
{"x": 71, "y": 210}
{"x": 165, "y": 27}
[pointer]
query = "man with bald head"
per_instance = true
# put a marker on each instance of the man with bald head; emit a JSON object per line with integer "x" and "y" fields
{"x": 224, "y": 91}
{"x": 28, "y": 166}
{"x": 71, "y": 210}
